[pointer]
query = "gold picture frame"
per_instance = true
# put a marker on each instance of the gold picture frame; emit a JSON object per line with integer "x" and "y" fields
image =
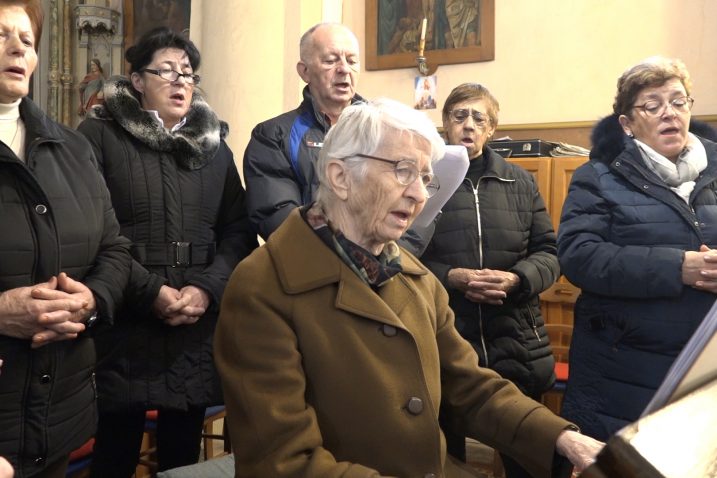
{"x": 143, "y": 15}
{"x": 393, "y": 31}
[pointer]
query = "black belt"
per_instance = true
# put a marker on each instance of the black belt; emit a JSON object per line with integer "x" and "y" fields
{"x": 174, "y": 254}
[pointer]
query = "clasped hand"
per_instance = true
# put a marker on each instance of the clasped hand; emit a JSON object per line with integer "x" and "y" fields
{"x": 46, "y": 312}
{"x": 485, "y": 286}
{"x": 178, "y": 307}
{"x": 699, "y": 269}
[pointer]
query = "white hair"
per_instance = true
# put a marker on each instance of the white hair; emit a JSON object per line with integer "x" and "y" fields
{"x": 363, "y": 127}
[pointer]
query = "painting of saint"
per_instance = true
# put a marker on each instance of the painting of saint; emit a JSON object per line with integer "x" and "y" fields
{"x": 451, "y": 24}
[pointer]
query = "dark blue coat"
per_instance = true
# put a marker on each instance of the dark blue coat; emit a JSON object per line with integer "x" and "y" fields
{"x": 622, "y": 239}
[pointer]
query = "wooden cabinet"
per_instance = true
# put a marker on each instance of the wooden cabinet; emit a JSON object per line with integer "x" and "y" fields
{"x": 553, "y": 176}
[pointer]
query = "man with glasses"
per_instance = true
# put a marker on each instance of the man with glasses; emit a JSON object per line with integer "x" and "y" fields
{"x": 494, "y": 251}
{"x": 280, "y": 158}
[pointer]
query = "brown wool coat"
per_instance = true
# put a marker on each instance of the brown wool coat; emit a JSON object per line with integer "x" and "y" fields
{"x": 323, "y": 377}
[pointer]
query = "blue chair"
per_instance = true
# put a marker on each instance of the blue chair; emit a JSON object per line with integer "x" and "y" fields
{"x": 80, "y": 459}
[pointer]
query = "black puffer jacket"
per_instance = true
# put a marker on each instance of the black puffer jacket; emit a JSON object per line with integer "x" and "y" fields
{"x": 55, "y": 216}
{"x": 167, "y": 189}
{"x": 503, "y": 225}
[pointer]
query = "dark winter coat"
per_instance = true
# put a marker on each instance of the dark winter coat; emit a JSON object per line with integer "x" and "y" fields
{"x": 622, "y": 238}
{"x": 279, "y": 164}
{"x": 179, "y": 198}
{"x": 55, "y": 216}
{"x": 501, "y": 223}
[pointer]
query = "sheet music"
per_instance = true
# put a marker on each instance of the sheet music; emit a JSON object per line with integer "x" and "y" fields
{"x": 450, "y": 170}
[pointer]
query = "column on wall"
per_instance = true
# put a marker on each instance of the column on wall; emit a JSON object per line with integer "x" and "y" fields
{"x": 54, "y": 72}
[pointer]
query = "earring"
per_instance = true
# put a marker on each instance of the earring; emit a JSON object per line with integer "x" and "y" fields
{"x": 630, "y": 135}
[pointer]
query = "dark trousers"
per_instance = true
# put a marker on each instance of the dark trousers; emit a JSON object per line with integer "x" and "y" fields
{"x": 119, "y": 439}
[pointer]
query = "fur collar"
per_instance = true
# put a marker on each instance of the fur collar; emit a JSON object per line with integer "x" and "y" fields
{"x": 609, "y": 140}
{"x": 193, "y": 145}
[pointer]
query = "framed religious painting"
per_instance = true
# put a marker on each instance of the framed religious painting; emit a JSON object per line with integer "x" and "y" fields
{"x": 141, "y": 16}
{"x": 457, "y": 31}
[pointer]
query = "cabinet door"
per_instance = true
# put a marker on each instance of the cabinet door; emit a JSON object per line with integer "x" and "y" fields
{"x": 558, "y": 301}
{"x": 562, "y": 173}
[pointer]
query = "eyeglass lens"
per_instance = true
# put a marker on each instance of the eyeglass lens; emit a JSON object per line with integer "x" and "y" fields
{"x": 406, "y": 173}
{"x": 461, "y": 114}
{"x": 682, "y": 104}
{"x": 172, "y": 75}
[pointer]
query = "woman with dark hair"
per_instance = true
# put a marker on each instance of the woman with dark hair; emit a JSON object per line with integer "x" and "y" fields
{"x": 63, "y": 266}
{"x": 178, "y": 197}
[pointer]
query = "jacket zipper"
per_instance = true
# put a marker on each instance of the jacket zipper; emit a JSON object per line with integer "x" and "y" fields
{"x": 534, "y": 324}
{"x": 480, "y": 264}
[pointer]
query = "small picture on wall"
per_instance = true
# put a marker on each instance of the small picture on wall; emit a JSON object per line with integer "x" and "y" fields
{"x": 425, "y": 92}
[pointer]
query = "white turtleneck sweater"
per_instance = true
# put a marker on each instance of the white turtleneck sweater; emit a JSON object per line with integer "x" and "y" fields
{"x": 12, "y": 129}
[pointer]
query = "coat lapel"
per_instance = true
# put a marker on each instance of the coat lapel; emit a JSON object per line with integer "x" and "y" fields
{"x": 305, "y": 262}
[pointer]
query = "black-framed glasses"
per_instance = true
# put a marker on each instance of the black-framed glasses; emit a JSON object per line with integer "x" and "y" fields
{"x": 171, "y": 75}
{"x": 406, "y": 173}
{"x": 459, "y": 115}
{"x": 683, "y": 104}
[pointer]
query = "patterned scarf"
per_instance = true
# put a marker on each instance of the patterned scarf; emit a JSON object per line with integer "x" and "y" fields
{"x": 679, "y": 176}
{"x": 374, "y": 270}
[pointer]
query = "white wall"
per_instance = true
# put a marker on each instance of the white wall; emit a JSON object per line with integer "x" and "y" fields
{"x": 555, "y": 60}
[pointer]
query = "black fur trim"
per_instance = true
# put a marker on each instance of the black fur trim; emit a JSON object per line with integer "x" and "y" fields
{"x": 193, "y": 145}
{"x": 608, "y": 138}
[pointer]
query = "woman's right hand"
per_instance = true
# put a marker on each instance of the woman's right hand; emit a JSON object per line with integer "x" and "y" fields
{"x": 22, "y": 315}
{"x": 699, "y": 269}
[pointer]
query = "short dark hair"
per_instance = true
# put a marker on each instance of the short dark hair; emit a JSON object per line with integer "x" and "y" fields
{"x": 140, "y": 54}
{"x": 34, "y": 11}
{"x": 471, "y": 92}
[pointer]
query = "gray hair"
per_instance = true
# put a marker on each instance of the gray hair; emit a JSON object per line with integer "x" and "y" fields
{"x": 306, "y": 44}
{"x": 363, "y": 127}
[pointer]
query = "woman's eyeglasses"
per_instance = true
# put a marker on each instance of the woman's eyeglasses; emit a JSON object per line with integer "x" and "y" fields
{"x": 683, "y": 104}
{"x": 406, "y": 173}
{"x": 171, "y": 75}
{"x": 461, "y": 114}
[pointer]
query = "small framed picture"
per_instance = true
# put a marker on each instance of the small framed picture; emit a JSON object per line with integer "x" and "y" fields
{"x": 425, "y": 92}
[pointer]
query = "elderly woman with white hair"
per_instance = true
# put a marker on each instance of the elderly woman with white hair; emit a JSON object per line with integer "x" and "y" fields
{"x": 335, "y": 346}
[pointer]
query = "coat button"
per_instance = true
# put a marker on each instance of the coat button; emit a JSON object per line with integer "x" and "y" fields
{"x": 389, "y": 330}
{"x": 414, "y": 406}
{"x": 45, "y": 378}
{"x": 41, "y": 209}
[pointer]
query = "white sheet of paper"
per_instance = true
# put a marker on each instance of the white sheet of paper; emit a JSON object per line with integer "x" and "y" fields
{"x": 450, "y": 170}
